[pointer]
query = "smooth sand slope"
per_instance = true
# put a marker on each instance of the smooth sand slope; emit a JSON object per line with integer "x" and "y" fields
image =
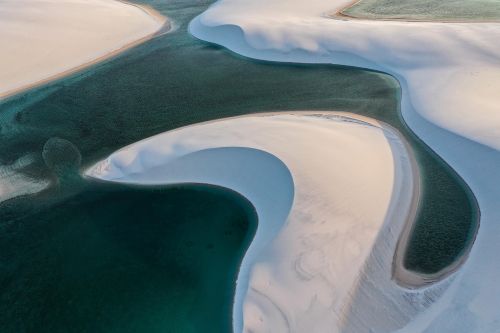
{"x": 44, "y": 39}
{"x": 325, "y": 187}
{"x": 449, "y": 75}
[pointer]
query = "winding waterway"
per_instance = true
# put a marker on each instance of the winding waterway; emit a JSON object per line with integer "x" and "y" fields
{"x": 106, "y": 258}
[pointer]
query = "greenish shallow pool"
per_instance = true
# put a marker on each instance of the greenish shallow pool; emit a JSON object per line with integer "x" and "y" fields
{"x": 427, "y": 10}
{"x": 171, "y": 81}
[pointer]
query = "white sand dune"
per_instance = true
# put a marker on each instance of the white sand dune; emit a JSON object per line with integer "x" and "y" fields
{"x": 42, "y": 39}
{"x": 449, "y": 75}
{"x": 324, "y": 185}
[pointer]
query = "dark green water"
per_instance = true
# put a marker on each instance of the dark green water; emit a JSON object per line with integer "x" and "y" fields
{"x": 427, "y": 10}
{"x": 123, "y": 259}
{"x": 171, "y": 81}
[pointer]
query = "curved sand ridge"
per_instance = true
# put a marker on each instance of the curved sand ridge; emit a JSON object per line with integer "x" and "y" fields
{"x": 45, "y": 40}
{"x": 325, "y": 187}
{"x": 449, "y": 74}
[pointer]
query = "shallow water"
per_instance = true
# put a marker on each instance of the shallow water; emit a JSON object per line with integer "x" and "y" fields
{"x": 427, "y": 10}
{"x": 171, "y": 81}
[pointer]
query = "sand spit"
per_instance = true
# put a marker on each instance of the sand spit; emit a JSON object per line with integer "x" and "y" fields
{"x": 320, "y": 207}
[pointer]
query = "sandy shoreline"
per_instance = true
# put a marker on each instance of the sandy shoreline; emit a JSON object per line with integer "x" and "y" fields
{"x": 165, "y": 26}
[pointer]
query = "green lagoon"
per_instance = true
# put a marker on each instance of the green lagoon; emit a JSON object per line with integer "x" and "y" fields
{"x": 89, "y": 257}
{"x": 123, "y": 259}
{"x": 426, "y": 10}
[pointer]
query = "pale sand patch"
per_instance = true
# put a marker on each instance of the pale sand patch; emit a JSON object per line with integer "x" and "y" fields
{"x": 45, "y": 40}
{"x": 14, "y": 183}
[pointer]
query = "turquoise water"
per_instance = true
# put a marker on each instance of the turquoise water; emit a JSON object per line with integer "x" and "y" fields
{"x": 427, "y": 10}
{"x": 171, "y": 81}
